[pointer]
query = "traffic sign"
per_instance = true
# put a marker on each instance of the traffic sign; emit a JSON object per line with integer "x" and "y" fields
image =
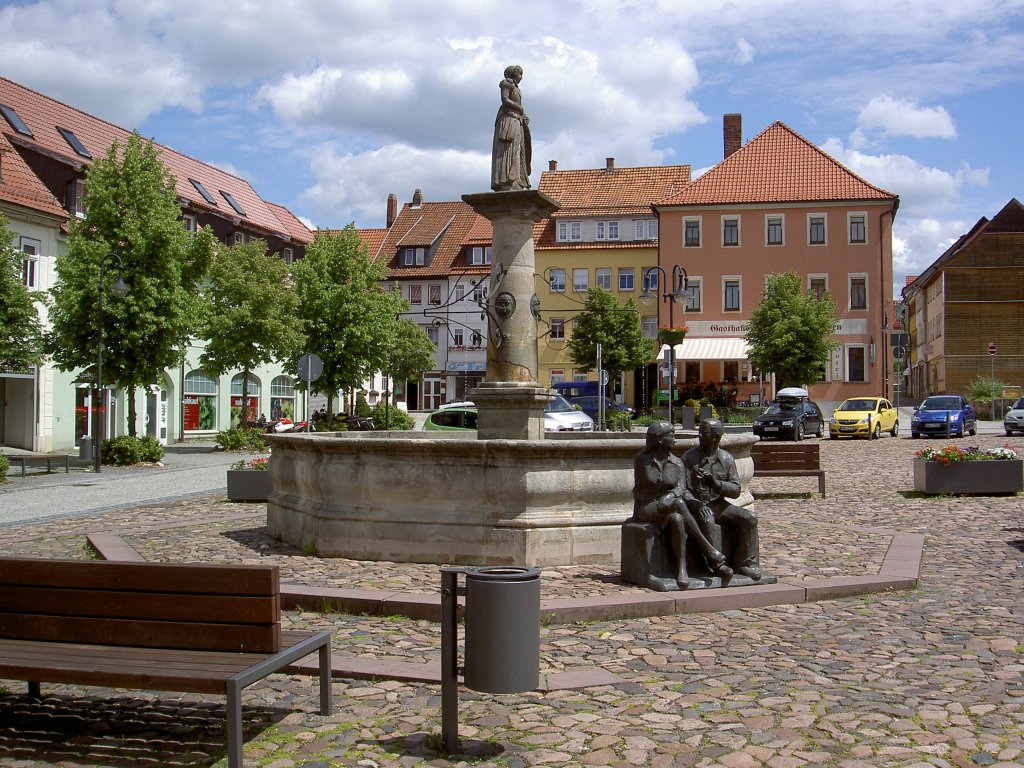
{"x": 899, "y": 352}
{"x": 310, "y": 367}
{"x": 992, "y": 348}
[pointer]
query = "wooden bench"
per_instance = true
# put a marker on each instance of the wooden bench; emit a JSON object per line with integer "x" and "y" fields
{"x": 150, "y": 626}
{"x": 788, "y": 460}
{"x": 38, "y": 459}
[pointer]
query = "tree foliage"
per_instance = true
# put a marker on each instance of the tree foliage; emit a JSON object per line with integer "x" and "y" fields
{"x": 616, "y": 328}
{"x": 411, "y": 352}
{"x": 250, "y": 313}
{"x": 132, "y": 212}
{"x": 21, "y": 339}
{"x": 789, "y": 331}
{"x": 349, "y": 318}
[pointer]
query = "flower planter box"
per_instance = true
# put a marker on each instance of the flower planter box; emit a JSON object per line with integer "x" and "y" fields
{"x": 248, "y": 485}
{"x": 982, "y": 477}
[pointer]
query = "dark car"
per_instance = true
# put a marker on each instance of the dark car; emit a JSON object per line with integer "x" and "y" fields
{"x": 589, "y": 404}
{"x": 946, "y": 415}
{"x": 791, "y": 417}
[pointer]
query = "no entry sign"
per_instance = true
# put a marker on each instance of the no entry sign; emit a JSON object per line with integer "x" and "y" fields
{"x": 992, "y": 348}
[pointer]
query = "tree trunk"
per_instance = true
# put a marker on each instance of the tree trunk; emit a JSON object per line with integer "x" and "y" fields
{"x": 244, "y": 418}
{"x": 132, "y": 413}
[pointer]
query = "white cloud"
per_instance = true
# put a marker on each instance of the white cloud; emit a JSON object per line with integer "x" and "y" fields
{"x": 744, "y": 51}
{"x": 889, "y": 117}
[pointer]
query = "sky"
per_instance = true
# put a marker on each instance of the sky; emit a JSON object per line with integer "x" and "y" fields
{"x": 327, "y": 106}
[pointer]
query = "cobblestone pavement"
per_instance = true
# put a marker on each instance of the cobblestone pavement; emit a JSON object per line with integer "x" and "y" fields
{"x": 930, "y": 677}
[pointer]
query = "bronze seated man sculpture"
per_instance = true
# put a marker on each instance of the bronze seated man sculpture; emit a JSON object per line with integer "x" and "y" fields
{"x": 684, "y": 533}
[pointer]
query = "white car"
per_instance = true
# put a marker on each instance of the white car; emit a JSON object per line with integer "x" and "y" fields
{"x": 559, "y": 415}
{"x": 1014, "y": 418}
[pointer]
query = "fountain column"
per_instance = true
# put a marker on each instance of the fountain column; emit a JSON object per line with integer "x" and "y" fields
{"x": 510, "y": 402}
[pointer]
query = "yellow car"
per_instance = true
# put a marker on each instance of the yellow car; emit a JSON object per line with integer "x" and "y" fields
{"x": 864, "y": 417}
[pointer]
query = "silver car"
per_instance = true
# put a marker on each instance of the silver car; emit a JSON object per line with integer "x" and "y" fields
{"x": 1013, "y": 421}
{"x": 560, "y": 416}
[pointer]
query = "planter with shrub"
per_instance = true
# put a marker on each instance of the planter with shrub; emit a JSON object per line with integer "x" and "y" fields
{"x": 954, "y": 470}
{"x": 249, "y": 480}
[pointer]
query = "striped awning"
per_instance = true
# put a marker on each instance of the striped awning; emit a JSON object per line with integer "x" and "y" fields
{"x": 710, "y": 349}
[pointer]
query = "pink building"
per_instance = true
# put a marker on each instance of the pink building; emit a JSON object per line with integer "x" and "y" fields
{"x": 773, "y": 205}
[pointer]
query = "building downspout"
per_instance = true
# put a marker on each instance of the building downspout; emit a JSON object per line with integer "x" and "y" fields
{"x": 885, "y": 318}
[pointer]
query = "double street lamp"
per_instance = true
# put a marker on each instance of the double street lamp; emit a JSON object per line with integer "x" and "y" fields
{"x": 118, "y": 289}
{"x": 674, "y": 293}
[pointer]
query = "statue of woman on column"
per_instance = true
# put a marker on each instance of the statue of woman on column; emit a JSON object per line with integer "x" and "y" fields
{"x": 512, "y": 150}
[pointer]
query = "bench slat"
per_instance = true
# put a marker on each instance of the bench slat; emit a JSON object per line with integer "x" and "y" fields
{"x": 142, "y": 577}
{"x": 222, "y": 609}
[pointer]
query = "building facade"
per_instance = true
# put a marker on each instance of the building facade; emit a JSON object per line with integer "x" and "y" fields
{"x": 970, "y": 300}
{"x": 773, "y": 205}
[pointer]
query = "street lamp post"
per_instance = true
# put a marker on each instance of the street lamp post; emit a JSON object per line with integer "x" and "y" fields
{"x": 677, "y": 294}
{"x": 118, "y": 289}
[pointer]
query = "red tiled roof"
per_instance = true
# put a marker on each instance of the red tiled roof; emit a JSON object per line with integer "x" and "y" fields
{"x": 778, "y": 165}
{"x": 373, "y": 239}
{"x": 44, "y": 115}
{"x": 293, "y": 225}
{"x": 450, "y": 225}
{"x": 20, "y": 186}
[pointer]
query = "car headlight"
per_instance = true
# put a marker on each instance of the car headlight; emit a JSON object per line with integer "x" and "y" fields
{"x": 788, "y": 423}
{"x": 865, "y": 420}
{"x": 954, "y": 416}
{"x": 915, "y": 418}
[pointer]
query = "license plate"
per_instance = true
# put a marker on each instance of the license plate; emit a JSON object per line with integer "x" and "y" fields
{"x": 771, "y": 429}
{"x": 847, "y": 429}
{"x": 934, "y": 426}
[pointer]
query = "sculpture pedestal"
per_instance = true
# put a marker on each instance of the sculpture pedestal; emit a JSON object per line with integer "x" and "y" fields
{"x": 510, "y": 410}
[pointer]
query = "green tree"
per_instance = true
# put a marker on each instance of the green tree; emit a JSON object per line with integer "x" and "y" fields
{"x": 411, "y": 352}
{"x": 789, "y": 331}
{"x": 132, "y": 212}
{"x": 21, "y": 342}
{"x": 251, "y": 312}
{"x": 616, "y": 328}
{"x": 349, "y": 318}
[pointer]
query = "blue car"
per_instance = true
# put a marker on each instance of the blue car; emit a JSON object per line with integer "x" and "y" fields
{"x": 944, "y": 415}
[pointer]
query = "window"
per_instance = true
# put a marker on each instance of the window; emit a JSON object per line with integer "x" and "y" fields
{"x": 557, "y": 328}
{"x": 415, "y": 294}
{"x": 15, "y": 120}
{"x": 569, "y": 231}
{"x": 730, "y": 231}
{"x": 199, "y": 402}
{"x": 607, "y": 230}
{"x": 282, "y": 398}
{"x": 31, "y": 250}
{"x": 816, "y": 229}
{"x": 818, "y": 285}
{"x": 479, "y": 293}
{"x": 645, "y": 229}
{"x": 237, "y": 238}
{"x": 413, "y": 257}
{"x": 579, "y": 375}
{"x": 75, "y": 144}
{"x": 287, "y": 255}
{"x": 478, "y": 255}
{"x": 457, "y": 340}
{"x": 432, "y": 334}
{"x": 649, "y": 280}
{"x": 855, "y": 368}
{"x": 603, "y": 278}
{"x": 233, "y": 203}
{"x": 858, "y": 292}
{"x": 476, "y": 338}
{"x": 557, "y": 375}
{"x": 773, "y": 230}
{"x": 557, "y": 280}
{"x": 649, "y": 326}
{"x": 203, "y": 191}
{"x": 190, "y": 223}
{"x": 858, "y": 227}
{"x": 625, "y": 278}
{"x": 731, "y": 294}
{"x": 691, "y": 233}
{"x": 580, "y": 280}
{"x": 693, "y": 290}
{"x": 74, "y": 198}
{"x": 434, "y": 294}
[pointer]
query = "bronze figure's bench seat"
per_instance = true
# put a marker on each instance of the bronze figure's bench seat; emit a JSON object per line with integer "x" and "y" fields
{"x": 38, "y": 459}
{"x": 788, "y": 460}
{"x": 150, "y": 626}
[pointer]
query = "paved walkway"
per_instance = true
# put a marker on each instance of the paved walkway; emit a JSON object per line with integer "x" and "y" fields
{"x": 931, "y": 677}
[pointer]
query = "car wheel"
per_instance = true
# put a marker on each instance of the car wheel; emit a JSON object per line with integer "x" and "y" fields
{"x": 821, "y": 430}
{"x": 895, "y": 429}
{"x": 798, "y": 432}
{"x": 877, "y": 431}
{"x": 973, "y": 431}
{"x": 1009, "y": 433}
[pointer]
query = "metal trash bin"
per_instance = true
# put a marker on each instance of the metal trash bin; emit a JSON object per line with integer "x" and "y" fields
{"x": 85, "y": 448}
{"x": 502, "y": 629}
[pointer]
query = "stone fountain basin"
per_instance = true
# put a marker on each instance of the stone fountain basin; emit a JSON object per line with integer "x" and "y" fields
{"x": 419, "y": 498}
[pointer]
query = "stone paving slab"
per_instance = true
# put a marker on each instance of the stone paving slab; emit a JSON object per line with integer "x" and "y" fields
{"x": 932, "y": 676}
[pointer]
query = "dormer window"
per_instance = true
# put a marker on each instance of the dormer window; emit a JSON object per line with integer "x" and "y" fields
{"x": 607, "y": 230}
{"x": 74, "y": 198}
{"x": 478, "y": 256}
{"x": 76, "y": 145}
{"x": 570, "y": 231}
{"x": 233, "y": 203}
{"x": 413, "y": 257}
{"x": 202, "y": 191}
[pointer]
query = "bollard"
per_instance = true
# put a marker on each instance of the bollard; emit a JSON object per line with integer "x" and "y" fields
{"x": 502, "y": 629}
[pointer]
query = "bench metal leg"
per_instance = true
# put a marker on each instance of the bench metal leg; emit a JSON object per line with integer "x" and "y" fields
{"x": 234, "y": 712}
{"x": 33, "y": 689}
{"x": 821, "y": 485}
{"x": 326, "y": 705}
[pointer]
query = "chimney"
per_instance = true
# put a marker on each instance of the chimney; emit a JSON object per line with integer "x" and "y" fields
{"x": 732, "y": 132}
{"x": 609, "y": 163}
{"x": 552, "y": 165}
{"x": 417, "y": 199}
{"x": 392, "y": 213}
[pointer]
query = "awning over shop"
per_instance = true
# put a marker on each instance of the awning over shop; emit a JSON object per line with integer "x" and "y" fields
{"x": 710, "y": 349}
